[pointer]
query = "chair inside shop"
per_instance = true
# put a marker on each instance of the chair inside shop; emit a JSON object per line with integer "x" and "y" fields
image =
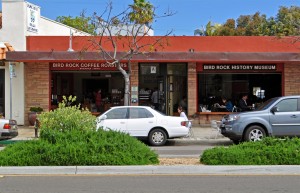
{"x": 215, "y": 126}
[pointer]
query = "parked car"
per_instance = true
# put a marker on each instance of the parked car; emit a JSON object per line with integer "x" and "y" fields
{"x": 143, "y": 122}
{"x": 8, "y": 129}
{"x": 279, "y": 117}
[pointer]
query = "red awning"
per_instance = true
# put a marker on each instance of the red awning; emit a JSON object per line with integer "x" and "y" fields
{"x": 205, "y": 57}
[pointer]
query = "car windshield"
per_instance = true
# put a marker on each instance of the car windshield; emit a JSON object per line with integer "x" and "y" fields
{"x": 267, "y": 104}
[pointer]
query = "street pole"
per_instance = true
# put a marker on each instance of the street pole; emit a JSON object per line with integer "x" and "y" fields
{"x": 12, "y": 74}
{"x": 10, "y": 90}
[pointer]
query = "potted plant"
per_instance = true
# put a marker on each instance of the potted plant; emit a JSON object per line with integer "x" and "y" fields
{"x": 33, "y": 111}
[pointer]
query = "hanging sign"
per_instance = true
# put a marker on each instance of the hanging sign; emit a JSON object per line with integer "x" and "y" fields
{"x": 153, "y": 69}
{"x": 33, "y": 15}
{"x": 85, "y": 66}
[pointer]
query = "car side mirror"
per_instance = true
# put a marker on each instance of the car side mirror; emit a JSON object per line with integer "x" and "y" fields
{"x": 274, "y": 109}
{"x": 103, "y": 117}
{"x": 100, "y": 118}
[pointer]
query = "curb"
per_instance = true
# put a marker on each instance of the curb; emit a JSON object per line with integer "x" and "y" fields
{"x": 152, "y": 170}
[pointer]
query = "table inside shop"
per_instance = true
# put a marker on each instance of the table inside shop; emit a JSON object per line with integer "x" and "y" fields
{"x": 96, "y": 113}
{"x": 211, "y": 116}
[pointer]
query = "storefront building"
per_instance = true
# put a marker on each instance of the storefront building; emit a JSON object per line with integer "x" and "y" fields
{"x": 18, "y": 20}
{"x": 202, "y": 69}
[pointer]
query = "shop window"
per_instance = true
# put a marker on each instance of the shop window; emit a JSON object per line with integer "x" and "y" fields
{"x": 259, "y": 87}
{"x": 149, "y": 69}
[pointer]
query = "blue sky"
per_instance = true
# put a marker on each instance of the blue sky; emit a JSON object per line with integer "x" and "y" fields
{"x": 190, "y": 14}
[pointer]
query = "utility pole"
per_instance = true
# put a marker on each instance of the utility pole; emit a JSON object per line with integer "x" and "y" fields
{"x": 12, "y": 74}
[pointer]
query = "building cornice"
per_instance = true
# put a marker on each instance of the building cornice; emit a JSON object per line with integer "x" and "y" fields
{"x": 223, "y": 57}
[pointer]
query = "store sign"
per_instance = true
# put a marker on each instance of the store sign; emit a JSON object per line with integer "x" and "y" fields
{"x": 153, "y": 69}
{"x": 239, "y": 67}
{"x": 85, "y": 66}
{"x": 33, "y": 15}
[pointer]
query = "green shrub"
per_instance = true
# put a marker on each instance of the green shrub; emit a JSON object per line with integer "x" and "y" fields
{"x": 75, "y": 147}
{"x": 66, "y": 118}
{"x": 269, "y": 151}
{"x": 36, "y": 109}
{"x": 68, "y": 137}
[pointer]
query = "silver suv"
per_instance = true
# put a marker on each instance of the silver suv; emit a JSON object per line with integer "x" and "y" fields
{"x": 278, "y": 117}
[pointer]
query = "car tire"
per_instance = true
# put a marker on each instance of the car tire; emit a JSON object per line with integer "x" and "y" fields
{"x": 157, "y": 137}
{"x": 254, "y": 133}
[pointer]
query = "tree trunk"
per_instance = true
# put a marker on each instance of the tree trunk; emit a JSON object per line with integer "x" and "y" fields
{"x": 127, "y": 84}
{"x": 126, "y": 90}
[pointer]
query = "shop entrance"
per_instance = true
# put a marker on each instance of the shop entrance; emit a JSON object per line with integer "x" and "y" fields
{"x": 170, "y": 82}
{"x": 93, "y": 85}
{"x": 176, "y": 94}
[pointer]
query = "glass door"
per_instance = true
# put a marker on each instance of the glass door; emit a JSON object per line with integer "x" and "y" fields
{"x": 176, "y": 94}
{"x": 161, "y": 94}
{"x": 176, "y": 87}
{"x": 170, "y": 82}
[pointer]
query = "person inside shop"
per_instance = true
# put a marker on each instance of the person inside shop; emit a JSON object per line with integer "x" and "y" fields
{"x": 182, "y": 114}
{"x": 98, "y": 101}
{"x": 182, "y": 103}
{"x": 154, "y": 99}
{"x": 227, "y": 104}
{"x": 243, "y": 103}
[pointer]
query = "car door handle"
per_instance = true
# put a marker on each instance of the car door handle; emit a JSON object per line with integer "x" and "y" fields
{"x": 294, "y": 116}
{"x": 150, "y": 122}
{"x": 122, "y": 122}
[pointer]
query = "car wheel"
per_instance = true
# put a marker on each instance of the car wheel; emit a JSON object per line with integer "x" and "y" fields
{"x": 157, "y": 137}
{"x": 254, "y": 133}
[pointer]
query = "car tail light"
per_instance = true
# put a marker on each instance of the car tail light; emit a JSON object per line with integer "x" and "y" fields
{"x": 183, "y": 123}
{"x": 6, "y": 126}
